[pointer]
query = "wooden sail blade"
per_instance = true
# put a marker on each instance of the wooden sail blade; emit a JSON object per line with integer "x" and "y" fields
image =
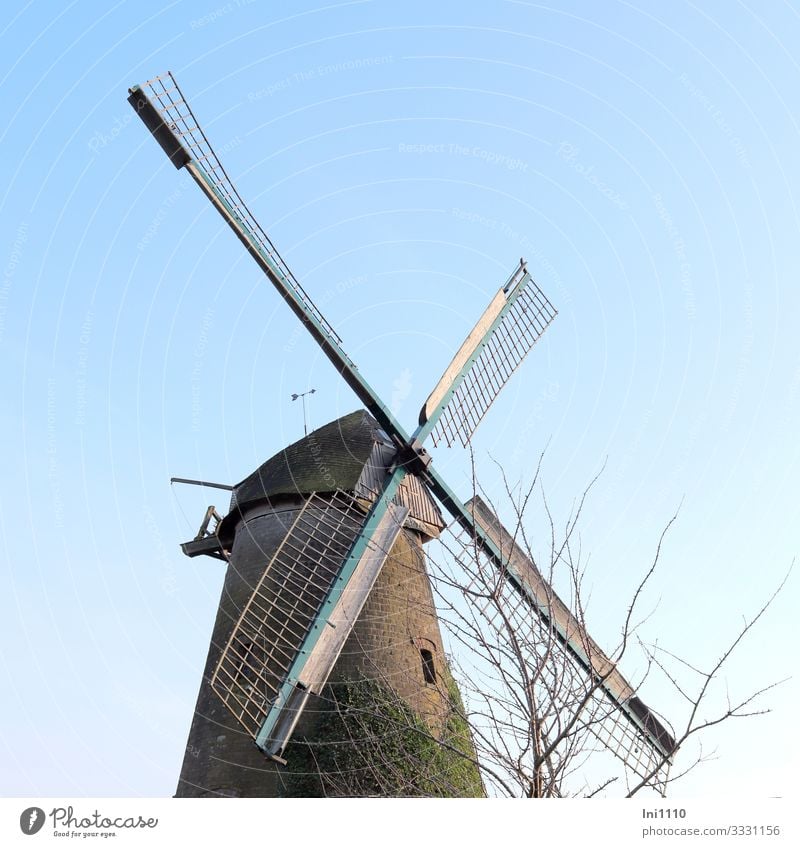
{"x": 630, "y": 730}
{"x": 513, "y": 322}
{"x": 294, "y": 625}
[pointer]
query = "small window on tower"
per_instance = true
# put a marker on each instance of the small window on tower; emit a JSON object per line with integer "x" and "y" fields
{"x": 428, "y": 668}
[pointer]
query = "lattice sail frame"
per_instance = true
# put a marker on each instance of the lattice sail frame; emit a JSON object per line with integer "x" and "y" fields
{"x": 174, "y": 110}
{"x": 286, "y": 602}
{"x": 498, "y": 614}
{"x": 514, "y": 321}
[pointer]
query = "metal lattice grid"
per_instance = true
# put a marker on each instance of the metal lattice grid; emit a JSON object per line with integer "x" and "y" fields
{"x": 168, "y": 99}
{"x": 284, "y": 605}
{"x": 519, "y": 329}
{"x": 499, "y": 615}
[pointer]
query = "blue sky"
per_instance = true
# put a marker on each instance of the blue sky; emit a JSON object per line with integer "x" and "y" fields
{"x": 403, "y": 157}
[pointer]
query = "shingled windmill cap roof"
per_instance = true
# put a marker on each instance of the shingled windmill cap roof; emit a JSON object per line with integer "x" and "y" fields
{"x": 329, "y": 458}
{"x": 334, "y": 457}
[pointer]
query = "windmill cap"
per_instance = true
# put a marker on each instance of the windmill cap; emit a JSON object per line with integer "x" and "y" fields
{"x": 334, "y": 457}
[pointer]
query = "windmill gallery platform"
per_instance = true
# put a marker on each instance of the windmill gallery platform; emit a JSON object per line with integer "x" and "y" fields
{"x": 390, "y": 696}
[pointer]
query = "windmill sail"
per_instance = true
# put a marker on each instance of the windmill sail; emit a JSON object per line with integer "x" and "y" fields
{"x": 624, "y": 723}
{"x": 297, "y": 620}
{"x": 167, "y": 114}
{"x": 514, "y": 321}
{"x": 165, "y": 111}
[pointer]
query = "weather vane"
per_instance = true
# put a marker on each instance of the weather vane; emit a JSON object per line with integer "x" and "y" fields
{"x": 303, "y": 398}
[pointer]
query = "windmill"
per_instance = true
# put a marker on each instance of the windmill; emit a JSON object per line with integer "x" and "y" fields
{"x": 315, "y": 580}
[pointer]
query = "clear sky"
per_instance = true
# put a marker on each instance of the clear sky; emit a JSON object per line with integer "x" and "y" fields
{"x": 642, "y": 156}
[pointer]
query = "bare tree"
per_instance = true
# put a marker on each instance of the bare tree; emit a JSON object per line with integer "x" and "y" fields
{"x": 540, "y": 724}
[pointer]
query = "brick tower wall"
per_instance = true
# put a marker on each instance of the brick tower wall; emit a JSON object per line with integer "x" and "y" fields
{"x": 383, "y": 681}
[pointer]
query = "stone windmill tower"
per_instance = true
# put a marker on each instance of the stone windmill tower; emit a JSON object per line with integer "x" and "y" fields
{"x": 391, "y": 666}
{"x": 326, "y": 643}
